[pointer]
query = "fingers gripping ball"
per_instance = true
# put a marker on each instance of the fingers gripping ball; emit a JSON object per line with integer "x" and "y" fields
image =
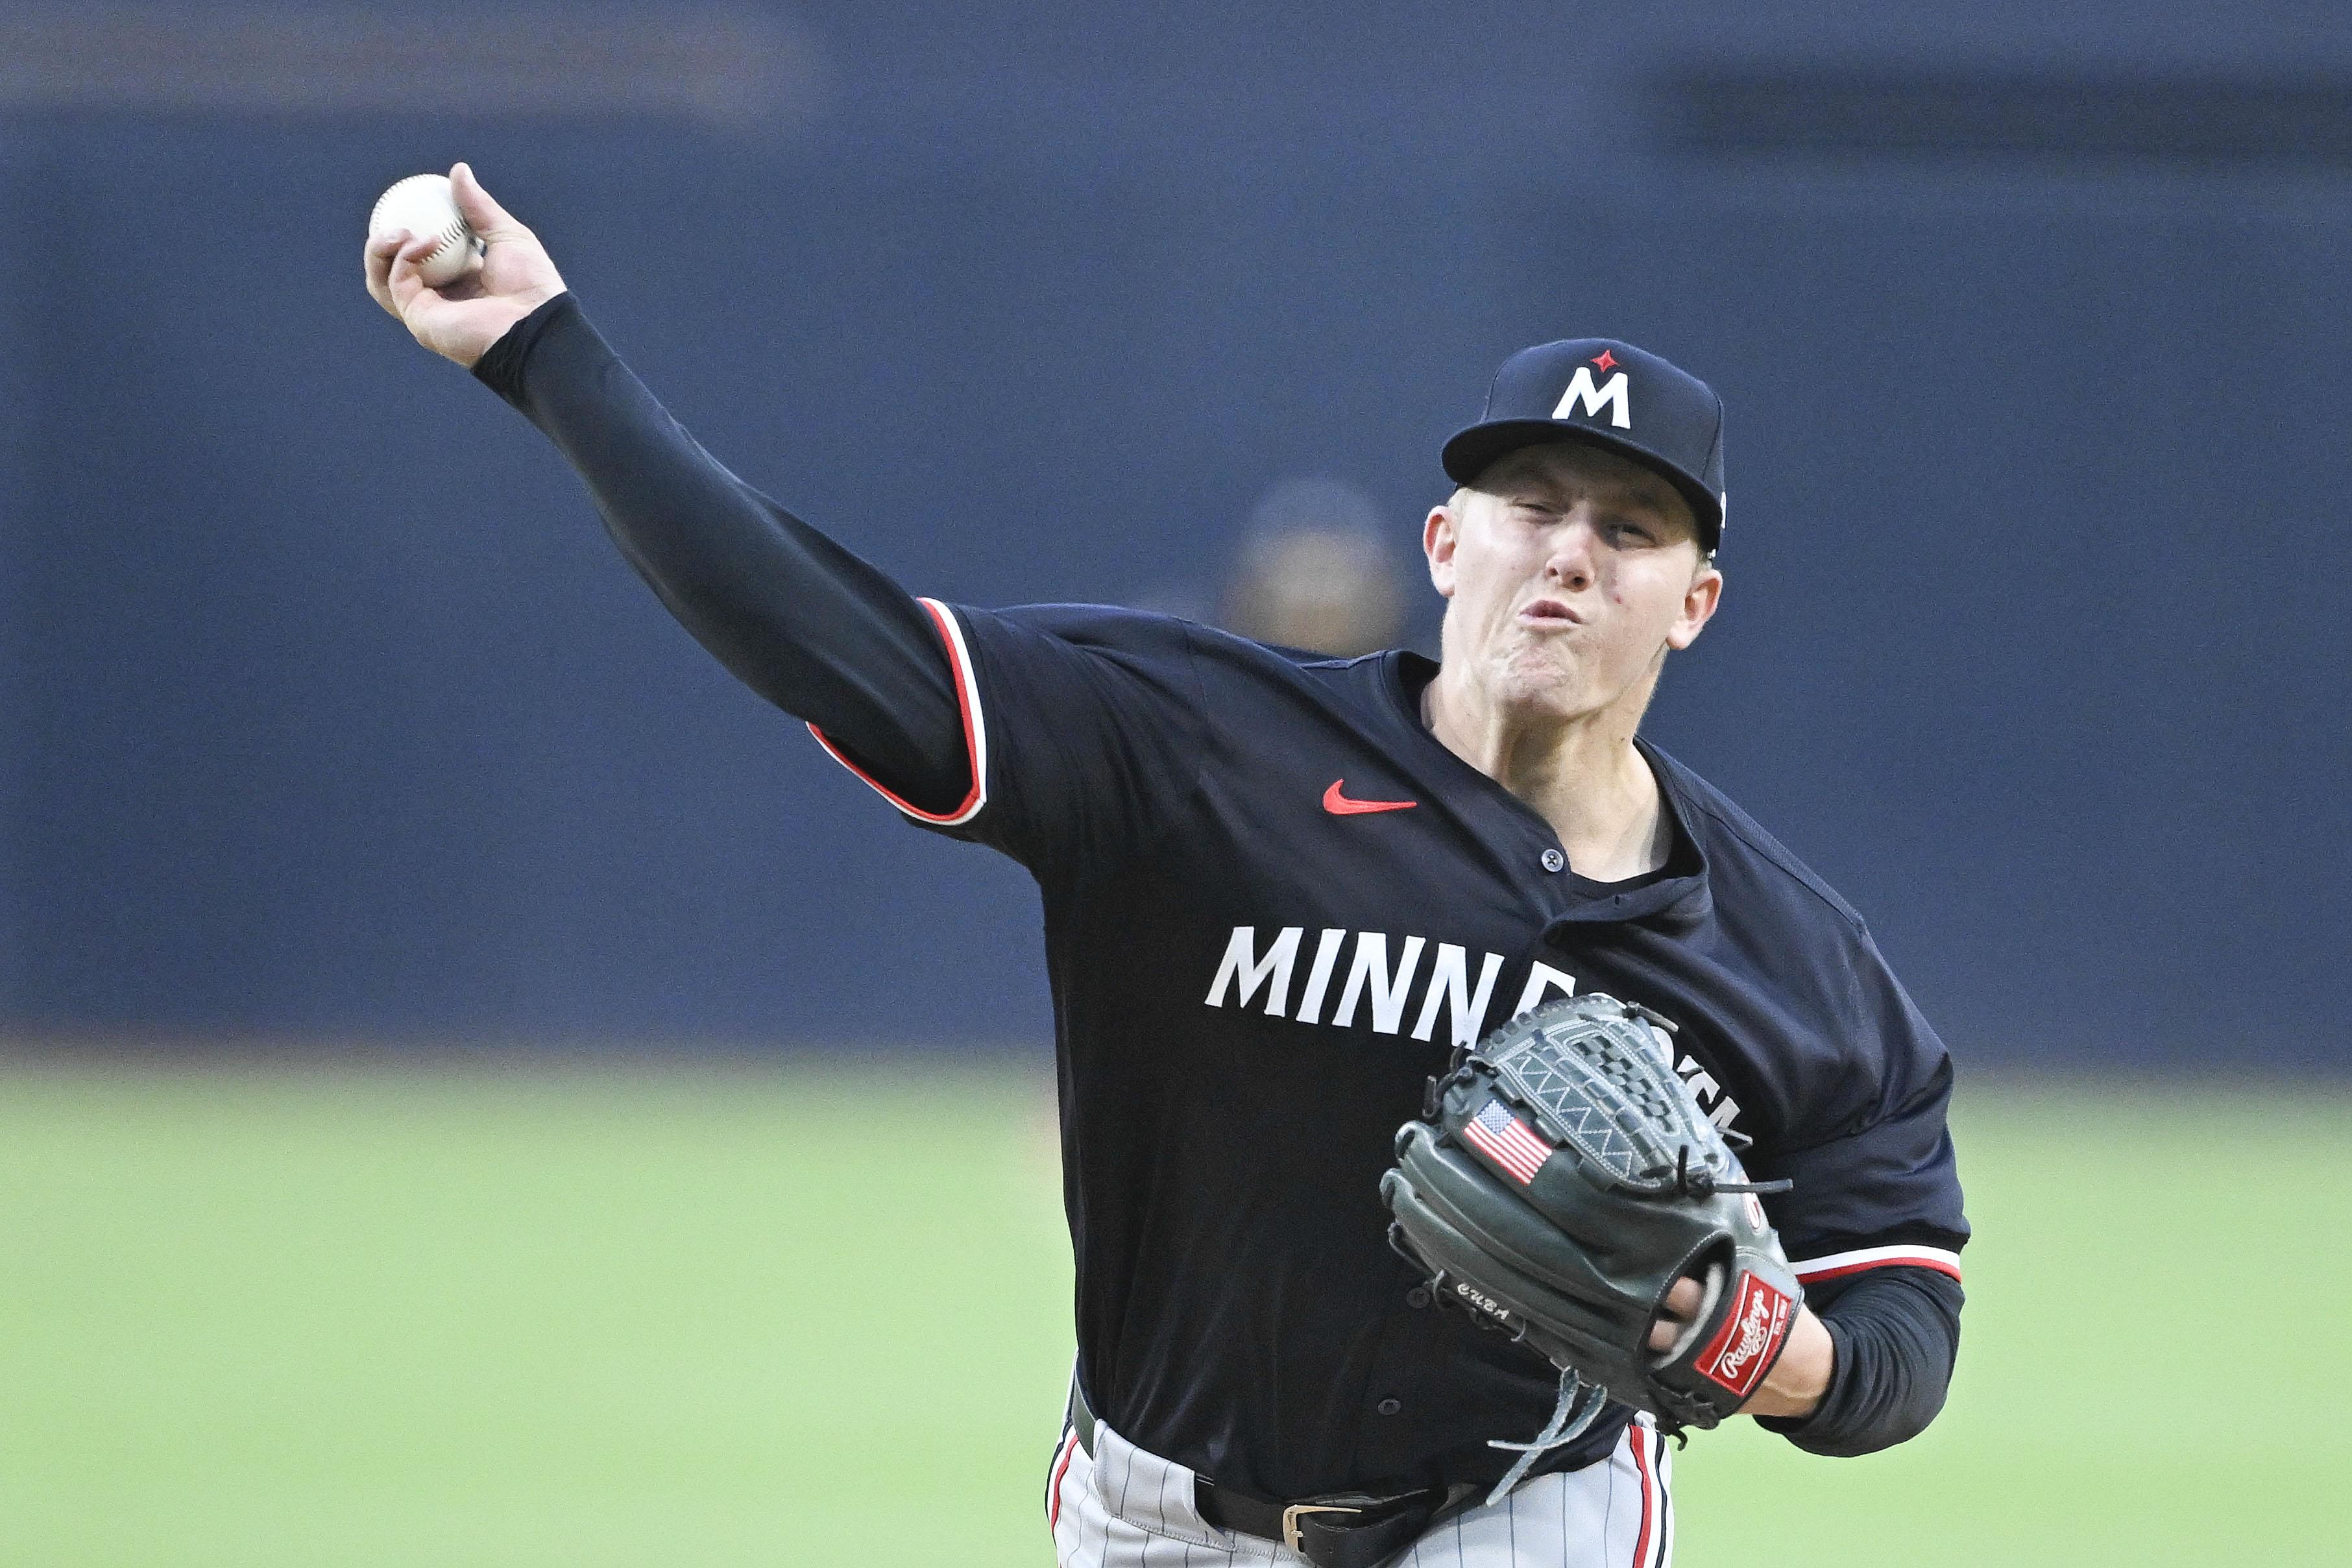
{"x": 423, "y": 205}
{"x": 1559, "y": 1184}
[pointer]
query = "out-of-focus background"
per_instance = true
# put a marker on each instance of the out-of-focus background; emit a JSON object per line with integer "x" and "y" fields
{"x": 431, "y": 989}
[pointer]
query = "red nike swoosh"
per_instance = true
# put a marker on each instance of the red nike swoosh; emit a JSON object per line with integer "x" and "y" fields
{"x": 1338, "y": 805}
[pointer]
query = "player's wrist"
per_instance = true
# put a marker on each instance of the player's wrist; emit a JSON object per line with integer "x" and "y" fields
{"x": 475, "y": 338}
{"x": 1800, "y": 1380}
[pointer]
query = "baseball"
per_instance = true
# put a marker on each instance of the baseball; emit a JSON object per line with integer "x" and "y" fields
{"x": 422, "y": 205}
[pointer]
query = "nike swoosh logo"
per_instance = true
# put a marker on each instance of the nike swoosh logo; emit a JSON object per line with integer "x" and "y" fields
{"x": 1338, "y": 805}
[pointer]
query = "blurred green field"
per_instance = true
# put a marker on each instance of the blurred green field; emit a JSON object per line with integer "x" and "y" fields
{"x": 767, "y": 1315}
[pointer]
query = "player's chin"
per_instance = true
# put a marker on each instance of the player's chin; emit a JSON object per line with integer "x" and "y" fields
{"x": 1543, "y": 687}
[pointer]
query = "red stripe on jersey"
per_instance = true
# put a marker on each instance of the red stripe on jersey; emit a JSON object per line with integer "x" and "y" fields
{"x": 1635, "y": 1435}
{"x": 1054, "y": 1488}
{"x": 974, "y": 732}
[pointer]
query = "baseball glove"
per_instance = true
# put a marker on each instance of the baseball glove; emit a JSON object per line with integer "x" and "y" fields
{"x": 1561, "y": 1178}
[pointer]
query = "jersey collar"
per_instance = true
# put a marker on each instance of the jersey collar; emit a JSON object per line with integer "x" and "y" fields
{"x": 1675, "y": 895}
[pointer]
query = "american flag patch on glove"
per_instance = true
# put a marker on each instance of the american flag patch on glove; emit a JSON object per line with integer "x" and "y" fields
{"x": 1507, "y": 1141}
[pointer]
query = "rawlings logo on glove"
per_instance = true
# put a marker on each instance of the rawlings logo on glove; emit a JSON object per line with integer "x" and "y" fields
{"x": 1749, "y": 1340}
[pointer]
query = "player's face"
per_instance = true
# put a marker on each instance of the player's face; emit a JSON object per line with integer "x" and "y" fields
{"x": 1570, "y": 571}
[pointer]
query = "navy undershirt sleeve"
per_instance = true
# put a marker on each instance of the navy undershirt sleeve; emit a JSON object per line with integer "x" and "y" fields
{"x": 800, "y": 620}
{"x": 1897, "y": 1334}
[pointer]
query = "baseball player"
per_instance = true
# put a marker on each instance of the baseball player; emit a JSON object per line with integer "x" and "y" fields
{"x": 1279, "y": 890}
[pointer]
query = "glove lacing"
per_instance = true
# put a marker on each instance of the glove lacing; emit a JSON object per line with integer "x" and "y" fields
{"x": 1581, "y": 1403}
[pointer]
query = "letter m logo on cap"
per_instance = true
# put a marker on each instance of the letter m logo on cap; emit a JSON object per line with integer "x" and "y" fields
{"x": 1581, "y": 394}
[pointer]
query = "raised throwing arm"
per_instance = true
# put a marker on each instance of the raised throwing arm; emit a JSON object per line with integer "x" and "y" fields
{"x": 801, "y": 621}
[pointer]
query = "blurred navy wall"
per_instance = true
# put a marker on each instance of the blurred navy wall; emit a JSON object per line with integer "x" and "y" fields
{"x": 330, "y": 712}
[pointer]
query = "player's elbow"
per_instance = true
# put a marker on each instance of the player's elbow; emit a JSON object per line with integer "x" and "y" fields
{"x": 1898, "y": 1422}
{"x": 1897, "y": 1340}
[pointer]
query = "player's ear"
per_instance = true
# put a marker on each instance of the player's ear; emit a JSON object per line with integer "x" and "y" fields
{"x": 1699, "y": 600}
{"x": 1439, "y": 536}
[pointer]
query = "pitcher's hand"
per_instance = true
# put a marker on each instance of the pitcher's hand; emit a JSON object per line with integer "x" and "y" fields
{"x": 460, "y": 320}
{"x": 1798, "y": 1380}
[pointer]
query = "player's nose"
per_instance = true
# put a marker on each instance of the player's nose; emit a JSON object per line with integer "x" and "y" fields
{"x": 1570, "y": 559}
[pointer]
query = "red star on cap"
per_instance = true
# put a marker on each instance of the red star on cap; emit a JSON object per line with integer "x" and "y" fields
{"x": 1605, "y": 361}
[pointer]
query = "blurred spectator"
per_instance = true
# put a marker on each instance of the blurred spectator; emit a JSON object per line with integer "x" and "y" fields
{"x": 1315, "y": 571}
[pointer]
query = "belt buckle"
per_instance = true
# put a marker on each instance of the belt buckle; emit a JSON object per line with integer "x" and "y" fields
{"x": 1291, "y": 1520}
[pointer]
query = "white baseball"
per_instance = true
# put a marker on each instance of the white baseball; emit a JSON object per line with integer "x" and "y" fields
{"x": 423, "y": 205}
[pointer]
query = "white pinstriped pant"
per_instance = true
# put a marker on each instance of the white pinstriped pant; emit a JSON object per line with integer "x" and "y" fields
{"x": 1123, "y": 1508}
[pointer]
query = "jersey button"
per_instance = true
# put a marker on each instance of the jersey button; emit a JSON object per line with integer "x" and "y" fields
{"x": 1417, "y": 1298}
{"x": 1387, "y": 1407}
{"x": 1553, "y": 859}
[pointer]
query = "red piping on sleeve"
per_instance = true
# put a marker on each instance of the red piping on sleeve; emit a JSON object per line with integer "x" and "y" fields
{"x": 1837, "y": 1265}
{"x": 975, "y": 730}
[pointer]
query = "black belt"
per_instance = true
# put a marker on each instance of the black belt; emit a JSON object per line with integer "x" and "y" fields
{"x": 1338, "y": 1529}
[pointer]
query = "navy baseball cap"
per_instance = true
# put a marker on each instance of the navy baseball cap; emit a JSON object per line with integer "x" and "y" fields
{"x": 1612, "y": 394}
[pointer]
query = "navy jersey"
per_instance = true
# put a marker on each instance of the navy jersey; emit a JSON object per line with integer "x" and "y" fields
{"x": 1274, "y": 904}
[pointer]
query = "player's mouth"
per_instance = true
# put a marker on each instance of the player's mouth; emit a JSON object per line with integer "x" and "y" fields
{"x": 1548, "y": 612}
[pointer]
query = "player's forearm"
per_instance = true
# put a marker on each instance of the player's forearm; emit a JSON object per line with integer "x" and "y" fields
{"x": 799, "y": 619}
{"x": 1895, "y": 1334}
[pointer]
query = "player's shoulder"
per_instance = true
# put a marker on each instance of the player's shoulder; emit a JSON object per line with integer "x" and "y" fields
{"x": 1170, "y": 665}
{"x": 1047, "y": 643}
{"x": 1862, "y": 1047}
{"x": 1120, "y": 624}
{"x": 1739, "y": 848}
{"x": 1092, "y": 625}
{"x": 1148, "y": 634}
{"x": 1085, "y": 621}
